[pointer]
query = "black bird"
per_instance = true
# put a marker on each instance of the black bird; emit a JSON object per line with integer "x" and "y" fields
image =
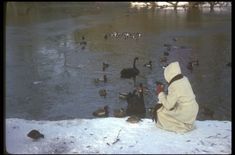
{"x": 105, "y": 36}
{"x": 104, "y": 66}
{"x": 166, "y": 53}
{"x": 83, "y": 42}
{"x": 103, "y": 112}
{"x": 148, "y": 65}
{"x": 128, "y": 73}
{"x": 229, "y": 64}
{"x": 135, "y": 102}
{"x": 34, "y": 134}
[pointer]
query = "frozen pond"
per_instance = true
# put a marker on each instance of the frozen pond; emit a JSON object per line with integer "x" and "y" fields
{"x": 50, "y": 75}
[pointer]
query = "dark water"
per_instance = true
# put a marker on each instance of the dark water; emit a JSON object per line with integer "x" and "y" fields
{"x": 42, "y": 37}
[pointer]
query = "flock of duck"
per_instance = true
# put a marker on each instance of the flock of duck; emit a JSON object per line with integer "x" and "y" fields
{"x": 123, "y": 35}
{"x": 135, "y": 99}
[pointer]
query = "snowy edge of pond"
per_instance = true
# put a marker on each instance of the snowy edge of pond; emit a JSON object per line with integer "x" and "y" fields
{"x": 115, "y": 135}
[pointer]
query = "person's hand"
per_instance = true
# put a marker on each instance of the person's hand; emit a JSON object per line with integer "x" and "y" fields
{"x": 159, "y": 88}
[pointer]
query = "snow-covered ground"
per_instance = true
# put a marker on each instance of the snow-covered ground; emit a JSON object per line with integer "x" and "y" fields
{"x": 115, "y": 135}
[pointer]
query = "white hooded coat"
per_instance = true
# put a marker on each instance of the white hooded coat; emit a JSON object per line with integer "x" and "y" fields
{"x": 180, "y": 109}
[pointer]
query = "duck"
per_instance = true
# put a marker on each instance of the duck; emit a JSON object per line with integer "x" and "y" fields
{"x": 119, "y": 113}
{"x": 148, "y": 65}
{"x": 166, "y": 53}
{"x": 104, "y": 79}
{"x": 123, "y": 95}
{"x": 83, "y": 42}
{"x": 174, "y": 39}
{"x": 191, "y": 64}
{"x": 104, "y": 66}
{"x": 102, "y": 112}
{"x": 83, "y": 47}
{"x": 128, "y": 73}
{"x": 105, "y": 36}
{"x": 208, "y": 112}
{"x": 163, "y": 59}
{"x": 133, "y": 119}
{"x": 168, "y": 46}
{"x": 35, "y": 134}
{"x": 229, "y": 64}
{"x": 103, "y": 92}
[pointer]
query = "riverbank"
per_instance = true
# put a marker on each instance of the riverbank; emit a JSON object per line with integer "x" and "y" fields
{"x": 115, "y": 135}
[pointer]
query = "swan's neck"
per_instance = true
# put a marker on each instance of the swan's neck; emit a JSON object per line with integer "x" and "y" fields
{"x": 134, "y": 63}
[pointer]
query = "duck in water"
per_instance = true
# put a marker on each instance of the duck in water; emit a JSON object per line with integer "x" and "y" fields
{"x": 102, "y": 112}
{"x": 191, "y": 64}
{"x": 119, "y": 113}
{"x": 98, "y": 80}
{"x": 148, "y": 65}
{"x": 103, "y": 92}
{"x": 104, "y": 66}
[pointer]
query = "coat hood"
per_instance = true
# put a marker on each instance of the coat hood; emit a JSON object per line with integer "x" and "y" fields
{"x": 172, "y": 70}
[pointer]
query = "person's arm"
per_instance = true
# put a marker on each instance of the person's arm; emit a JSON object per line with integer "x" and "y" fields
{"x": 168, "y": 100}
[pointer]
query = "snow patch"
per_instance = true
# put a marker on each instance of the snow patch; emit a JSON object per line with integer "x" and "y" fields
{"x": 115, "y": 135}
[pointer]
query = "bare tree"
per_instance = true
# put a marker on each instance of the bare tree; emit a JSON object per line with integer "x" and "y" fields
{"x": 212, "y": 4}
{"x": 175, "y": 5}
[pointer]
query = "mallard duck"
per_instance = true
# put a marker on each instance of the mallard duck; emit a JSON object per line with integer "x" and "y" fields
{"x": 123, "y": 95}
{"x": 104, "y": 66}
{"x": 133, "y": 119}
{"x": 35, "y": 134}
{"x": 103, "y": 112}
{"x": 104, "y": 79}
{"x": 191, "y": 64}
{"x": 148, "y": 65}
{"x": 119, "y": 113}
{"x": 103, "y": 92}
{"x": 166, "y": 53}
{"x": 163, "y": 59}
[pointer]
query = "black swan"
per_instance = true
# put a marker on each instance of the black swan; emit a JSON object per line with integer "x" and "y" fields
{"x": 135, "y": 102}
{"x": 128, "y": 73}
{"x": 103, "y": 112}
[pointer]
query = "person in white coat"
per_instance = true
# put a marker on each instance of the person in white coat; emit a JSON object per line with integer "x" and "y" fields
{"x": 178, "y": 108}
